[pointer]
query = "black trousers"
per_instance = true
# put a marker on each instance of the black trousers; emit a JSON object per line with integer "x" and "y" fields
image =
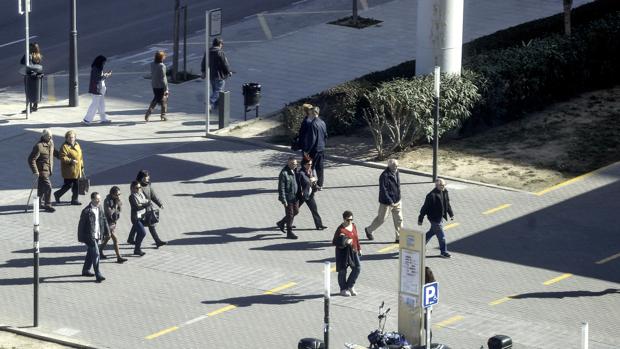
{"x": 152, "y": 230}
{"x": 159, "y": 98}
{"x": 318, "y": 222}
{"x": 44, "y": 190}
{"x": 317, "y": 165}
{"x": 69, "y": 184}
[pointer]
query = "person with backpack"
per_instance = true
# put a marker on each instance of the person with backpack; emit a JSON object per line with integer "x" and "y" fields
{"x": 348, "y": 252}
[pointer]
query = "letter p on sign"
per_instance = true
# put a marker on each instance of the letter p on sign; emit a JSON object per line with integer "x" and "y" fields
{"x": 431, "y": 294}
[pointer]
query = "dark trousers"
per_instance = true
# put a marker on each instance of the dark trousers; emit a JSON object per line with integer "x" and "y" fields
{"x": 345, "y": 283}
{"x": 92, "y": 258}
{"x": 44, "y": 190}
{"x": 437, "y": 229}
{"x": 317, "y": 165}
{"x": 159, "y": 98}
{"x": 290, "y": 211}
{"x": 152, "y": 230}
{"x": 141, "y": 233}
{"x": 69, "y": 184}
{"x": 318, "y": 222}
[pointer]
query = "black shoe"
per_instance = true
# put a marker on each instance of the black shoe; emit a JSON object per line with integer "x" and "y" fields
{"x": 57, "y": 198}
{"x": 160, "y": 243}
{"x": 121, "y": 260}
{"x": 446, "y": 254}
{"x": 397, "y": 240}
{"x": 281, "y": 226}
{"x": 368, "y": 234}
{"x": 102, "y": 256}
{"x": 291, "y": 235}
{"x": 99, "y": 279}
{"x": 139, "y": 253}
{"x": 321, "y": 227}
{"x": 75, "y": 203}
{"x": 88, "y": 273}
{"x": 131, "y": 242}
{"x": 48, "y": 208}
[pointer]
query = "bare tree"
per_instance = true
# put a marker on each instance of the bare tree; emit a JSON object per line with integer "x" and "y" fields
{"x": 568, "y": 4}
{"x": 355, "y": 18}
{"x": 375, "y": 119}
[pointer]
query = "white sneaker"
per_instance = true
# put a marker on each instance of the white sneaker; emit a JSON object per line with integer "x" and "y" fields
{"x": 345, "y": 293}
{"x": 352, "y": 291}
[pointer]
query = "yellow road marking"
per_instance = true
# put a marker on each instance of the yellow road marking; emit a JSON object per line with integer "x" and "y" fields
{"x": 498, "y": 208}
{"x": 162, "y": 332}
{"x": 222, "y": 310}
{"x": 449, "y": 321}
{"x": 451, "y": 225}
{"x": 389, "y": 248}
{"x": 51, "y": 88}
{"x": 501, "y": 300}
{"x": 560, "y": 185}
{"x": 610, "y": 258}
{"x": 556, "y": 279}
{"x": 280, "y": 288}
{"x": 333, "y": 269}
{"x": 263, "y": 23}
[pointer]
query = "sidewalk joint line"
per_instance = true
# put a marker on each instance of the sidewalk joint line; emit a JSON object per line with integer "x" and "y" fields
{"x": 610, "y": 258}
{"x": 556, "y": 279}
{"x": 498, "y": 208}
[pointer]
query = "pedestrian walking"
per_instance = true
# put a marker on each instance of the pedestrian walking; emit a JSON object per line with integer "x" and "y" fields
{"x": 71, "y": 166}
{"x": 138, "y": 204}
{"x": 41, "y": 161}
{"x": 348, "y": 253}
{"x": 97, "y": 89}
{"x": 307, "y": 183}
{"x": 159, "y": 82}
{"x": 144, "y": 178}
{"x": 389, "y": 201}
{"x": 437, "y": 208}
{"x": 92, "y": 228}
{"x": 288, "y": 195}
{"x": 34, "y": 68}
{"x": 219, "y": 70}
{"x": 112, "y": 209}
{"x": 312, "y": 140}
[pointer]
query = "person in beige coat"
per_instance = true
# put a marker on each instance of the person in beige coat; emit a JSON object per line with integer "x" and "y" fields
{"x": 71, "y": 167}
{"x": 41, "y": 161}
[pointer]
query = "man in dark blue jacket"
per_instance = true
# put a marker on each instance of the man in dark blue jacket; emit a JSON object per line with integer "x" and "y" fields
{"x": 219, "y": 70}
{"x": 312, "y": 139}
{"x": 437, "y": 208}
{"x": 93, "y": 227}
{"x": 389, "y": 201}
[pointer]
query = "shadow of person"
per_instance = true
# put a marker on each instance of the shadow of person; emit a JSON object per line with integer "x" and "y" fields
{"x": 566, "y": 294}
{"x": 268, "y": 299}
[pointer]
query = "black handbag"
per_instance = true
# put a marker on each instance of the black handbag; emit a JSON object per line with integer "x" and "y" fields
{"x": 295, "y": 144}
{"x": 83, "y": 184}
{"x": 151, "y": 217}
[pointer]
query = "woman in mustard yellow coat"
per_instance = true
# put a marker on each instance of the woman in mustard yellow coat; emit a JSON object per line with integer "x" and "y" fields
{"x": 71, "y": 166}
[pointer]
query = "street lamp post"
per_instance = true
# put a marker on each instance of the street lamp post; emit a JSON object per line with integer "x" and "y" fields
{"x": 437, "y": 77}
{"x": 73, "y": 64}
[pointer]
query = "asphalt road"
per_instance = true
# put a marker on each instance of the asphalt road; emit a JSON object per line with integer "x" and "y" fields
{"x": 104, "y": 27}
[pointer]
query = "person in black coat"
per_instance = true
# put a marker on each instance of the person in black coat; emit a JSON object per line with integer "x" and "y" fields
{"x": 144, "y": 178}
{"x": 312, "y": 140}
{"x": 307, "y": 182}
{"x": 348, "y": 252}
{"x": 389, "y": 201}
{"x": 97, "y": 89}
{"x": 219, "y": 70}
{"x": 92, "y": 228}
{"x": 33, "y": 72}
{"x": 437, "y": 208}
{"x": 138, "y": 204}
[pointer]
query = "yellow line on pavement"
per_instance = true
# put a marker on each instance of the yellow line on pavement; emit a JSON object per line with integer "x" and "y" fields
{"x": 333, "y": 269}
{"x": 449, "y": 321}
{"x": 51, "y": 88}
{"x": 389, "y": 248}
{"x": 222, "y": 310}
{"x": 560, "y": 185}
{"x": 610, "y": 258}
{"x": 451, "y": 225}
{"x": 280, "y": 288}
{"x": 501, "y": 300}
{"x": 498, "y": 208}
{"x": 162, "y": 332}
{"x": 556, "y": 279}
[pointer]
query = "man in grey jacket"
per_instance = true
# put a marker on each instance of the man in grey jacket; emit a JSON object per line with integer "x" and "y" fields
{"x": 287, "y": 194}
{"x": 92, "y": 227}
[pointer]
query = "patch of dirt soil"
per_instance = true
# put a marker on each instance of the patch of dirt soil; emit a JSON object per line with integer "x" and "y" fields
{"x": 545, "y": 148}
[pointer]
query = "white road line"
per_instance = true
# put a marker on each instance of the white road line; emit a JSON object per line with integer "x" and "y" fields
{"x": 200, "y": 318}
{"x": 16, "y": 41}
{"x": 264, "y": 25}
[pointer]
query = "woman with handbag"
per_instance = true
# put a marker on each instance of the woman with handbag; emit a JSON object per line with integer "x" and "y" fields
{"x": 152, "y": 214}
{"x": 71, "y": 166}
{"x": 307, "y": 182}
{"x": 97, "y": 89}
{"x": 139, "y": 203}
{"x": 112, "y": 209}
{"x": 348, "y": 252}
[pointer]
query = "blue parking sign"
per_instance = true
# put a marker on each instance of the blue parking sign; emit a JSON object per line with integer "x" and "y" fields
{"x": 431, "y": 294}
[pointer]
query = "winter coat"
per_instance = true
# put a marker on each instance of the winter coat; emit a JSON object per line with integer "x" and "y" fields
{"x": 389, "y": 187}
{"x": 312, "y": 135}
{"x": 112, "y": 209}
{"x": 86, "y": 226}
{"x": 149, "y": 193}
{"x": 287, "y": 186}
{"x": 436, "y": 206}
{"x": 219, "y": 69}
{"x": 41, "y": 159}
{"x": 345, "y": 253}
{"x": 139, "y": 203}
{"x": 96, "y": 81}
{"x": 158, "y": 76}
{"x": 306, "y": 188}
{"x": 67, "y": 154}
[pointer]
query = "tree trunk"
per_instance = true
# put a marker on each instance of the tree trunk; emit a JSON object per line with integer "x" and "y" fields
{"x": 568, "y": 4}
{"x": 355, "y": 12}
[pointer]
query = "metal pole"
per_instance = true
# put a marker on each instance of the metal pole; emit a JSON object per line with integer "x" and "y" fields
{"x": 185, "y": 43}
{"x": 326, "y": 296}
{"x": 437, "y": 76}
{"x": 175, "y": 39}
{"x": 35, "y": 206}
{"x": 207, "y": 72}
{"x": 584, "y": 335}
{"x": 27, "y": 57}
{"x": 73, "y": 63}
{"x": 428, "y": 326}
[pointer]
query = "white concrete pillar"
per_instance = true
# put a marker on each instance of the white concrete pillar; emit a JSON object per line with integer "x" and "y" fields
{"x": 439, "y": 39}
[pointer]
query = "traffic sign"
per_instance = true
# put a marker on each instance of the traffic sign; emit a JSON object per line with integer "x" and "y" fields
{"x": 431, "y": 294}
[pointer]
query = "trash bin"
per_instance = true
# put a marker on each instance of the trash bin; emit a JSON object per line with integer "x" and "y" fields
{"x": 310, "y": 343}
{"x": 33, "y": 77}
{"x": 251, "y": 97}
{"x": 499, "y": 342}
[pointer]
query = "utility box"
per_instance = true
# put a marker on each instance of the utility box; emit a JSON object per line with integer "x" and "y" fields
{"x": 223, "y": 109}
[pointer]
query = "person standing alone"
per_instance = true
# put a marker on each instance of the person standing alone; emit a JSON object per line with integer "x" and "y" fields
{"x": 159, "y": 82}
{"x": 389, "y": 200}
{"x": 97, "y": 89}
{"x": 437, "y": 208}
{"x": 219, "y": 70}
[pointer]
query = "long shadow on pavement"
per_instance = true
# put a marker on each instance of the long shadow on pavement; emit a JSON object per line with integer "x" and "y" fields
{"x": 269, "y": 299}
{"x": 229, "y": 193}
{"x": 565, "y": 294}
{"x": 224, "y": 236}
{"x": 295, "y": 246}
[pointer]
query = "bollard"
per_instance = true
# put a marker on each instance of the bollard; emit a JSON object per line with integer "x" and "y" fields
{"x": 584, "y": 335}
{"x": 223, "y": 107}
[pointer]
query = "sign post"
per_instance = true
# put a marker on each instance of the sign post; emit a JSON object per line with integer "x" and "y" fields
{"x": 431, "y": 297}
{"x": 213, "y": 27}
{"x": 411, "y": 281}
{"x": 24, "y": 9}
{"x": 35, "y": 250}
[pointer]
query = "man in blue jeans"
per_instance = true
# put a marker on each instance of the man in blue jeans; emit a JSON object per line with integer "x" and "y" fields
{"x": 437, "y": 208}
{"x": 92, "y": 228}
{"x": 219, "y": 70}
